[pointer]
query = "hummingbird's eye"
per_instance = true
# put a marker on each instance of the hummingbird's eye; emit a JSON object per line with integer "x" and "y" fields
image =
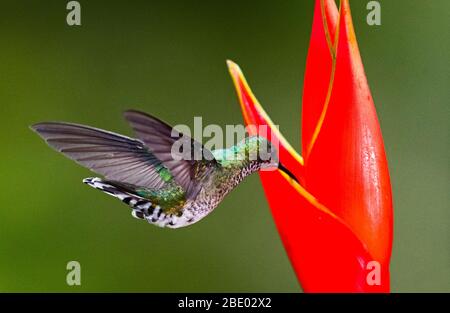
{"x": 265, "y": 154}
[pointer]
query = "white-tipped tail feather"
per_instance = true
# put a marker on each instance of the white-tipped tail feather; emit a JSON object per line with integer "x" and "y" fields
{"x": 141, "y": 208}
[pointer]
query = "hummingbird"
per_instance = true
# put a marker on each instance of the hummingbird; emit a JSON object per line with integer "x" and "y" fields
{"x": 166, "y": 187}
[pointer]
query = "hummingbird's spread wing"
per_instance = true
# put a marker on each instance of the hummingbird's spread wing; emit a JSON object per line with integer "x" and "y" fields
{"x": 115, "y": 156}
{"x": 160, "y": 137}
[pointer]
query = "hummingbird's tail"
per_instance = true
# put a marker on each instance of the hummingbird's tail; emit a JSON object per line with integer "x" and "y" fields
{"x": 142, "y": 207}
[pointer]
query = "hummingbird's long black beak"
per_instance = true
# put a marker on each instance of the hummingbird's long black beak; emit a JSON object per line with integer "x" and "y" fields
{"x": 285, "y": 170}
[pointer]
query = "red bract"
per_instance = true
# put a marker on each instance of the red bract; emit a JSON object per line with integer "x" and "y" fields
{"x": 338, "y": 220}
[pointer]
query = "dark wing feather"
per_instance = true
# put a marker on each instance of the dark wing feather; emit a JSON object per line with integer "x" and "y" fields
{"x": 159, "y": 137}
{"x": 114, "y": 156}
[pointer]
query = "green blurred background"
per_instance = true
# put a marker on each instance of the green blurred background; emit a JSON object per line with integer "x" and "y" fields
{"x": 168, "y": 58}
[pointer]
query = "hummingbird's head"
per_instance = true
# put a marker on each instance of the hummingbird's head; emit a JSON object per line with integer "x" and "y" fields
{"x": 265, "y": 154}
{"x": 258, "y": 150}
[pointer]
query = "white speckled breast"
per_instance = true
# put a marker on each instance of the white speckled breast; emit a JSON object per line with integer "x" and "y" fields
{"x": 214, "y": 189}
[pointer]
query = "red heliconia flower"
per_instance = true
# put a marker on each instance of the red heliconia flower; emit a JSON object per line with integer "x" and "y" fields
{"x": 336, "y": 225}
